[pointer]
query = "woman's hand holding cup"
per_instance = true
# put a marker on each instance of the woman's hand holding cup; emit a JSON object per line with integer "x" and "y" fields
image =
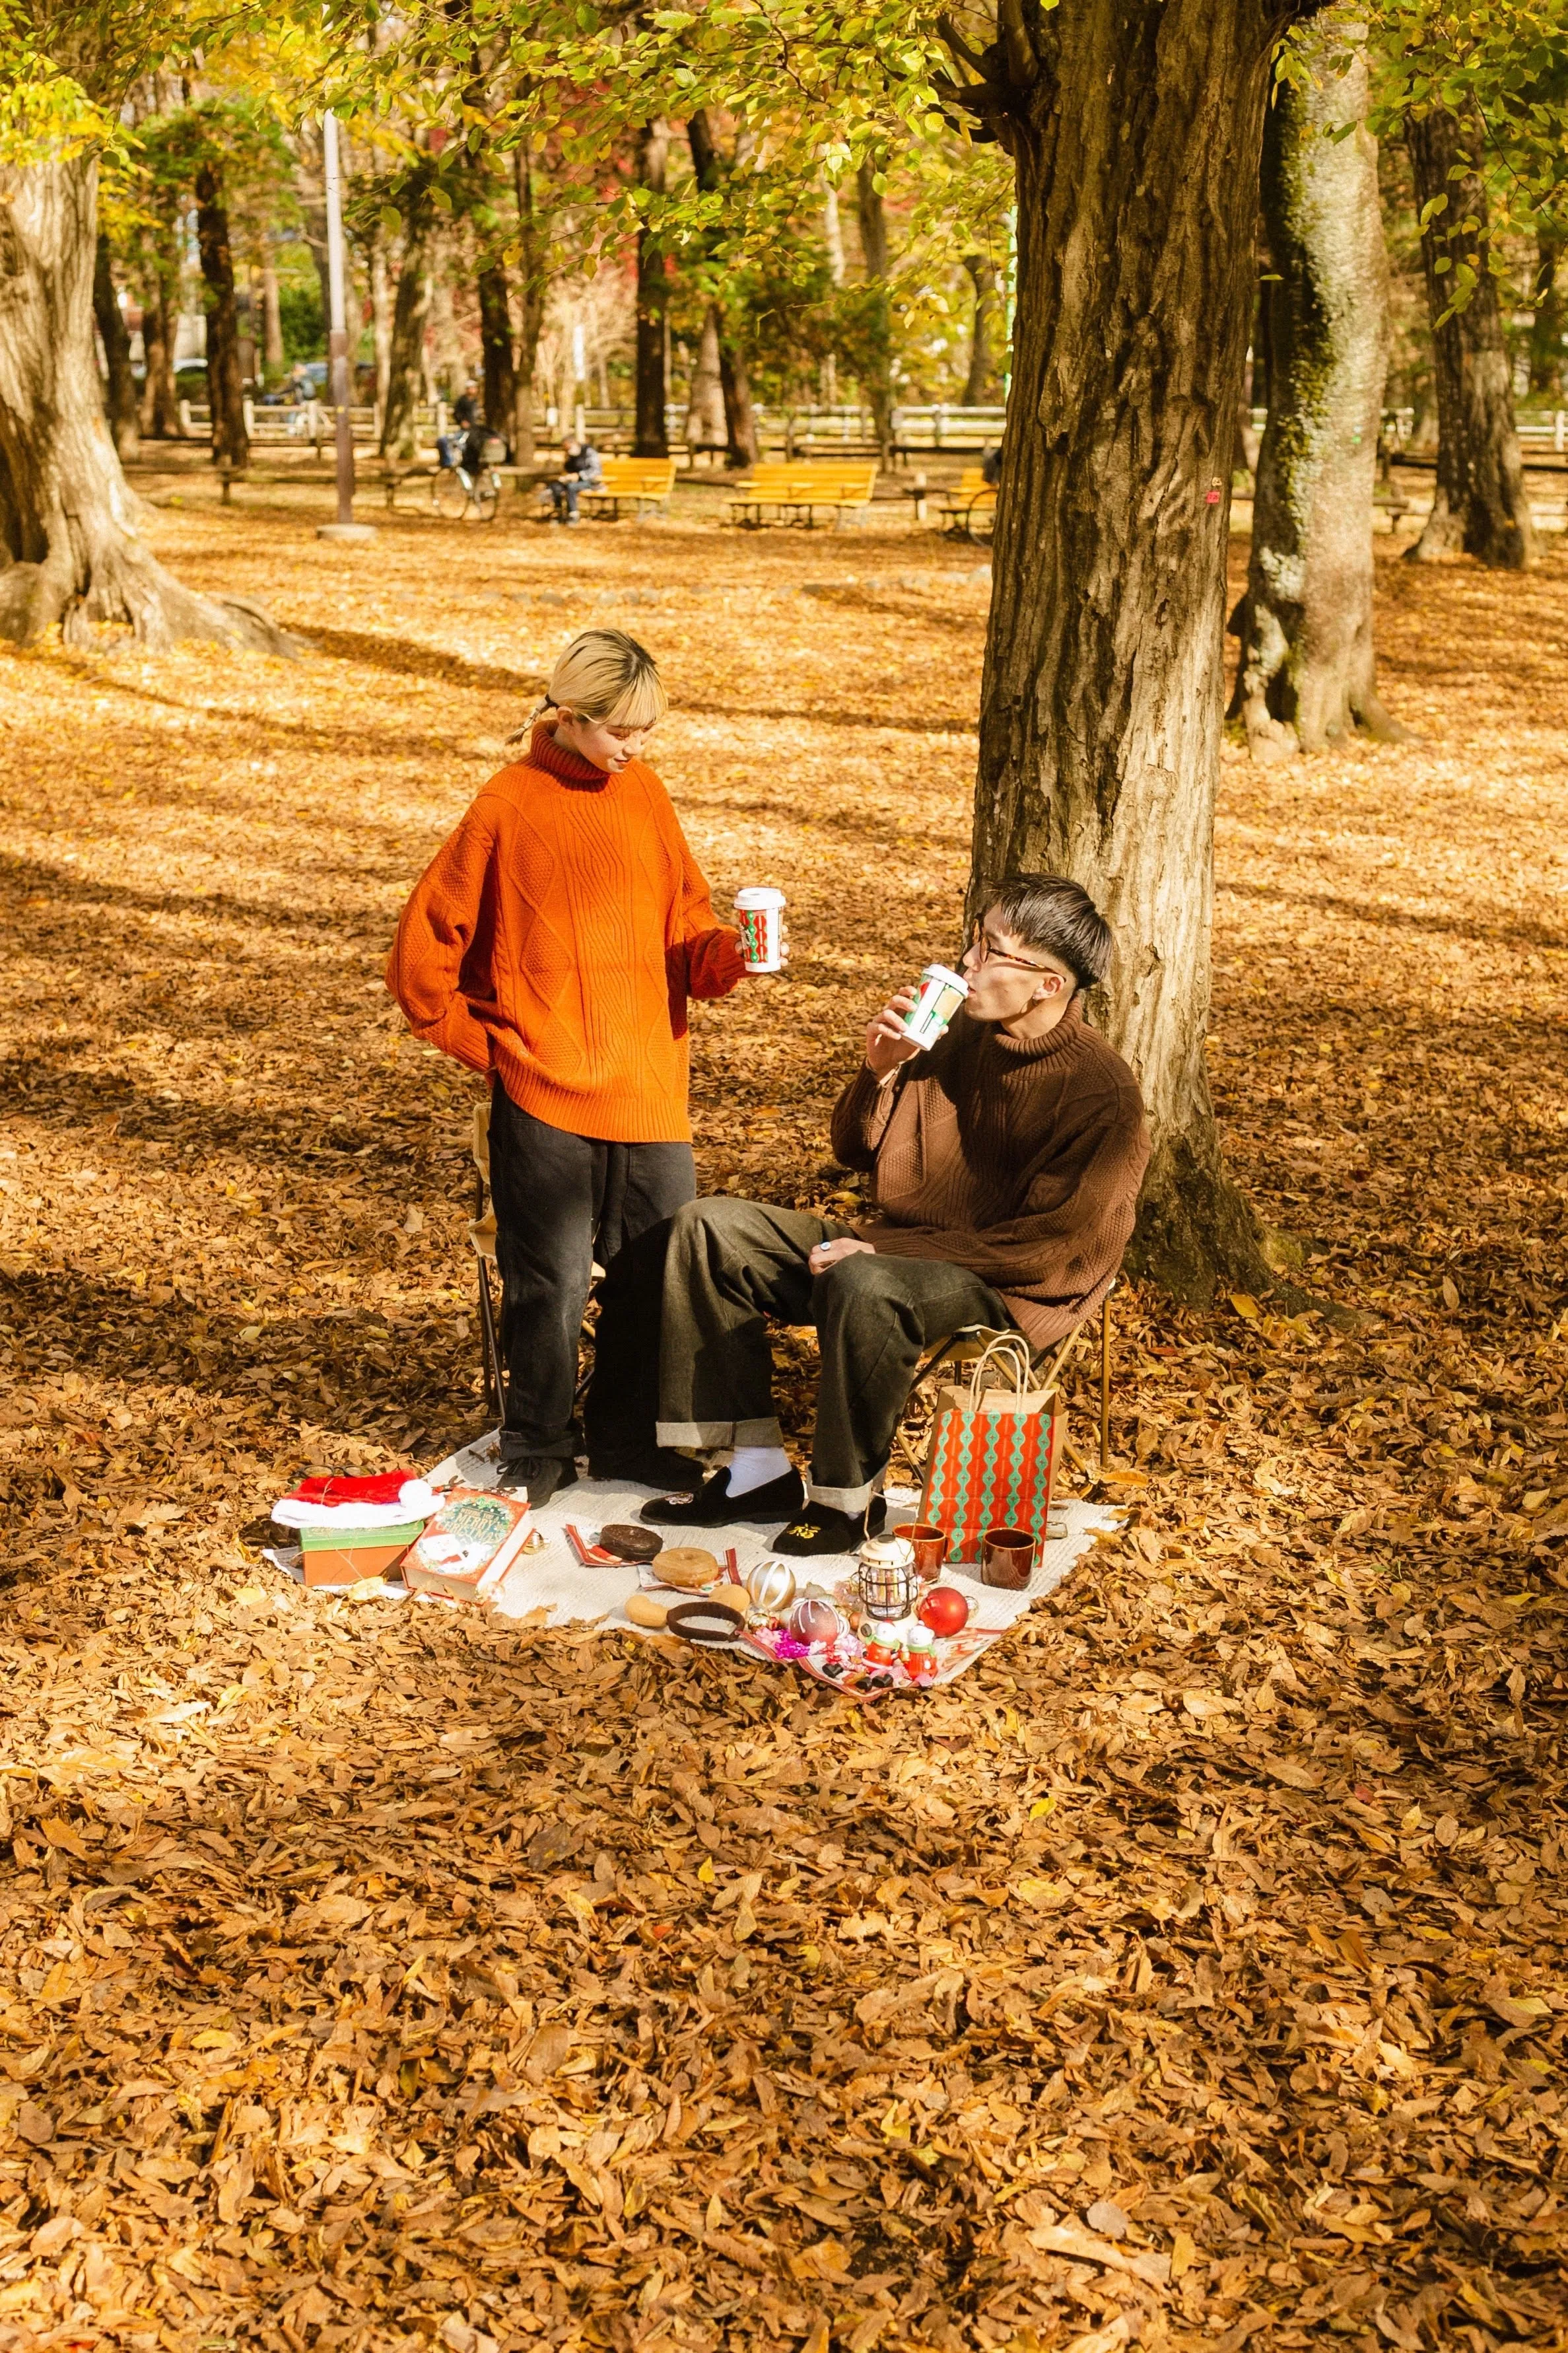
{"x": 888, "y": 1042}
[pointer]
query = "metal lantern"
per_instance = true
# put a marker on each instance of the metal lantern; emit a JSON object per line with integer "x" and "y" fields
{"x": 889, "y": 1584}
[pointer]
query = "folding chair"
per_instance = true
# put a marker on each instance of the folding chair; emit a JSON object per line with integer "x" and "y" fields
{"x": 972, "y": 1340}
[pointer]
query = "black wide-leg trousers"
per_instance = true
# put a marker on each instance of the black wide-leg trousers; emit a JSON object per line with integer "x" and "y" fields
{"x": 561, "y": 1201}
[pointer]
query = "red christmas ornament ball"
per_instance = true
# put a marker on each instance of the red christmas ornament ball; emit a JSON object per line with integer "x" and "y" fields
{"x": 944, "y": 1609}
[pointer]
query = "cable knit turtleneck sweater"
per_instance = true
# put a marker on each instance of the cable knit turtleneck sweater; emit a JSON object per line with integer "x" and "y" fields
{"x": 554, "y": 939}
{"x": 1018, "y": 1159}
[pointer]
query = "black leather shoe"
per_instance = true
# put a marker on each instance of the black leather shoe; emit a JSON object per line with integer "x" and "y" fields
{"x": 714, "y": 1507}
{"x": 541, "y": 1474}
{"x": 818, "y": 1529}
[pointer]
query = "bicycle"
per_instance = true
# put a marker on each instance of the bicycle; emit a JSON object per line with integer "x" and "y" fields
{"x": 454, "y": 492}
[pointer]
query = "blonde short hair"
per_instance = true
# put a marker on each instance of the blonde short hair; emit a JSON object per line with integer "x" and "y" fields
{"x": 605, "y": 676}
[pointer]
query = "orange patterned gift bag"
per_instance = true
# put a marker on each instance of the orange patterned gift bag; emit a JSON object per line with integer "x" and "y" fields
{"x": 993, "y": 1451}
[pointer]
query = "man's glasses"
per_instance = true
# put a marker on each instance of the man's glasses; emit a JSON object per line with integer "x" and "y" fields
{"x": 984, "y": 949}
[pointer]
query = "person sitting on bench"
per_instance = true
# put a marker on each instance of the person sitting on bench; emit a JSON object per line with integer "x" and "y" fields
{"x": 581, "y": 470}
{"x": 1006, "y": 1163}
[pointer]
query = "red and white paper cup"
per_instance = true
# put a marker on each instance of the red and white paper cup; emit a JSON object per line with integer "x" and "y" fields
{"x": 943, "y": 991}
{"x": 760, "y": 914}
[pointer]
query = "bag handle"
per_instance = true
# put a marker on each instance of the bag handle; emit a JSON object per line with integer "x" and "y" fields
{"x": 1014, "y": 1350}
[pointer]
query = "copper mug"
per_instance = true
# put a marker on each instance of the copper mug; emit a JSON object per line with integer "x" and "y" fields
{"x": 1006, "y": 1557}
{"x": 929, "y": 1547}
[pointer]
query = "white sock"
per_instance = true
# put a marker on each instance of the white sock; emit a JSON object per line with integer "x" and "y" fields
{"x": 753, "y": 1466}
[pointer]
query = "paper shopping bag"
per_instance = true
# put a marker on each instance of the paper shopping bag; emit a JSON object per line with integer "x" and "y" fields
{"x": 994, "y": 1445}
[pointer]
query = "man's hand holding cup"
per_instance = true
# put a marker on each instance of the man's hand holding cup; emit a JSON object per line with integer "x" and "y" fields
{"x": 888, "y": 1043}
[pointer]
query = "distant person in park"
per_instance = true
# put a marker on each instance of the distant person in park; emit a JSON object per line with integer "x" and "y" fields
{"x": 552, "y": 946}
{"x": 452, "y": 448}
{"x": 581, "y": 470}
{"x": 1006, "y": 1162}
{"x": 990, "y": 467}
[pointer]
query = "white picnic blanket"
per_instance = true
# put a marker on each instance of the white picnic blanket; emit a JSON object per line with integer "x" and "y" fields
{"x": 555, "y": 1583}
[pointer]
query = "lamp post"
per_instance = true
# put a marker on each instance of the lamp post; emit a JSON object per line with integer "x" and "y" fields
{"x": 345, "y": 526}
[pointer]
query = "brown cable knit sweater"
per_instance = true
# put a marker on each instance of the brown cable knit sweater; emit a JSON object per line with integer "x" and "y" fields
{"x": 1018, "y": 1159}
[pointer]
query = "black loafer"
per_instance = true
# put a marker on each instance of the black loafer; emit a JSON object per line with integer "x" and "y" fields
{"x": 714, "y": 1507}
{"x": 819, "y": 1530}
{"x": 541, "y": 1474}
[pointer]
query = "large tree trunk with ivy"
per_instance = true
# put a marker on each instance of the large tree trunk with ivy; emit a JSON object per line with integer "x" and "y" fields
{"x": 405, "y": 361}
{"x": 1479, "y": 507}
{"x": 1308, "y": 670}
{"x": 225, "y": 389}
{"x": 120, "y": 391}
{"x": 1136, "y": 127}
{"x": 652, "y": 438}
{"x": 69, "y": 551}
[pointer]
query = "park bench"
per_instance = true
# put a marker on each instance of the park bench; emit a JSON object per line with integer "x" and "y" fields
{"x": 635, "y": 482}
{"x": 969, "y": 510}
{"x": 796, "y": 493}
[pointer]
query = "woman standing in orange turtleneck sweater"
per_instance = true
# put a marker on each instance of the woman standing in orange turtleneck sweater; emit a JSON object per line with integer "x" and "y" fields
{"x": 552, "y": 946}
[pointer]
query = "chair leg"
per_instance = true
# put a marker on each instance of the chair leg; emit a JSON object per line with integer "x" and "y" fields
{"x": 495, "y": 1388}
{"x": 1105, "y": 1383}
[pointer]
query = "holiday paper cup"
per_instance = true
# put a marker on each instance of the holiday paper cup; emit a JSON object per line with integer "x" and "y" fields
{"x": 943, "y": 991}
{"x": 760, "y": 914}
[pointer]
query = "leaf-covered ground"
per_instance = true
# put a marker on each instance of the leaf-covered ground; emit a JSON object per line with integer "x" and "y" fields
{"x": 1193, "y": 1975}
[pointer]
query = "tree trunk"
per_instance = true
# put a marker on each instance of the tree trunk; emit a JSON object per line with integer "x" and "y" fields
{"x": 271, "y": 318}
{"x": 531, "y": 301}
{"x": 652, "y": 441}
{"x": 1100, "y": 714}
{"x": 706, "y": 427}
{"x": 1479, "y": 506}
{"x": 405, "y": 361}
{"x": 877, "y": 385}
{"x": 978, "y": 382}
{"x": 119, "y": 392}
{"x": 381, "y": 301}
{"x": 495, "y": 345}
{"x": 1550, "y": 320}
{"x": 449, "y": 360}
{"x": 68, "y": 546}
{"x": 739, "y": 417}
{"x": 832, "y": 232}
{"x": 1308, "y": 670}
{"x": 225, "y": 392}
{"x": 160, "y": 406}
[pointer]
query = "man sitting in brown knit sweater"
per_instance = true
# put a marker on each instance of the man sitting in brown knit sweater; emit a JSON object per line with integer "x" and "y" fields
{"x": 1005, "y": 1164}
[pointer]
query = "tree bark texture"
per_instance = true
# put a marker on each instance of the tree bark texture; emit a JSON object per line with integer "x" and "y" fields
{"x": 878, "y": 387}
{"x": 120, "y": 391}
{"x": 734, "y": 379}
{"x": 69, "y": 551}
{"x": 531, "y": 299}
{"x": 405, "y": 361}
{"x": 1550, "y": 320}
{"x": 1135, "y": 127}
{"x": 978, "y": 383}
{"x": 1308, "y": 670}
{"x": 381, "y": 309}
{"x": 272, "y": 318}
{"x": 159, "y": 394}
{"x": 495, "y": 345}
{"x": 705, "y": 423}
{"x": 226, "y": 391}
{"x": 1479, "y": 507}
{"x": 651, "y": 441}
